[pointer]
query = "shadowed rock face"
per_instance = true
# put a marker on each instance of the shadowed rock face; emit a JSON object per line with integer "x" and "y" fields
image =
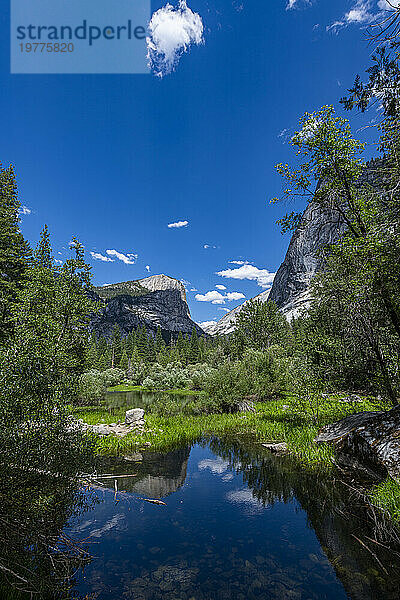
{"x": 157, "y": 301}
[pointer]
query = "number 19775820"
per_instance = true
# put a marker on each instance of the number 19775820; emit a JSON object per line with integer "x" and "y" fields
{"x": 46, "y": 47}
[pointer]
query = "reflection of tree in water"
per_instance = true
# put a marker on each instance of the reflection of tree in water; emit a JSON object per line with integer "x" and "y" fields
{"x": 342, "y": 523}
{"x": 36, "y": 559}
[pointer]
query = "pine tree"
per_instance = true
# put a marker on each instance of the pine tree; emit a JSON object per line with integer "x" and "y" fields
{"x": 160, "y": 344}
{"x": 102, "y": 357}
{"x": 92, "y": 357}
{"x": 193, "y": 349}
{"x": 135, "y": 357}
{"x": 142, "y": 342}
{"x": 180, "y": 346}
{"x": 202, "y": 349}
{"x": 14, "y": 250}
{"x": 130, "y": 342}
{"x": 116, "y": 345}
{"x": 151, "y": 349}
{"x": 123, "y": 363}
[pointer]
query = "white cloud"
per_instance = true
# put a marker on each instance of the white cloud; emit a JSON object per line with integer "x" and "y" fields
{"x": 206, "y": 246}
{"x": 220, "y": 287}
{"x": 224, "y": 309}
{"x": 24, "y": 210}
{"x": 238, "y": 262}
{"x": 360, "y": 13}
{"x": 148, "y": 268}
{"x": 214, "y": 297}
{"x": 128, "y": 259}
{"x": 364, "y": 12}
{"x": 178, "y": 224}
{"x": 217, "y": 298}
{"x": 98, "y": 256}
{"x": 294, "y": 3}
{"x": 193, "y": 290}
{"x": 172, "y": 31}
{"x": 235, "y": 296}
{"x": 388, "y": 4}
{"x": 262, "y": 276}
{"x": 58, "y": 261}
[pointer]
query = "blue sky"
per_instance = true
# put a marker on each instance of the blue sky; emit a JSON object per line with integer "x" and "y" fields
{"x": 114, "y": 159}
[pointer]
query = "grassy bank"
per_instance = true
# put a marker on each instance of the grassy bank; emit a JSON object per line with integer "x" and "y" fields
{"x": 274, "y": 421}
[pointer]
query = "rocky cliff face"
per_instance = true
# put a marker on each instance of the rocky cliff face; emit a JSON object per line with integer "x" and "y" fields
{"x": 153, "y": 302}
{"x": 290, "y": 290}
{"x": 318, "y": 227}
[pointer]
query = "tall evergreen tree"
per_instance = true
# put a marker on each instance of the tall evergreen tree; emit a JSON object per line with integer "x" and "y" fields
{"x": 151, "y": 349}
{"x": 116, "y": 346}
{"x": 159, "y": 342}
{"x": 193, "y": 350}
{"x": 14, "y": 250}
{"x": 123, "y": 363}
{"x": 130, "y": 342}
{"x": 92, "y": 357}
{"x": 142, "y": 342}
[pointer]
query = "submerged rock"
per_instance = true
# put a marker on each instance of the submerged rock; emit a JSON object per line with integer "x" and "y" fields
{"x": 280, "y": 448}
{"x": 367, "y": 442}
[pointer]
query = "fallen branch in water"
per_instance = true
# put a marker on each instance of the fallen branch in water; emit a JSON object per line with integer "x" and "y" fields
{"x": 371, "y": 552}
{"x": 153, "y": 501}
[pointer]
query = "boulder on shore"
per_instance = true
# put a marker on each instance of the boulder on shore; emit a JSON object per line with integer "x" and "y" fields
{"x": 367, "y": 442}
{"x": 134, "y": 417}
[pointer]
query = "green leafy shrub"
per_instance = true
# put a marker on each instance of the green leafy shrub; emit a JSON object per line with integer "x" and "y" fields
{"x": 113, "y": 377}
{"x": 92, "y": 386}
{"x": 259, "y": 375}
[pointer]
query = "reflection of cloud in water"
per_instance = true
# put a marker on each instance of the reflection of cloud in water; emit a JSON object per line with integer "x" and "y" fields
{"x": 113, "y": 523}
{"x": 217, "y": 466}
{"x": 84, "y": 526}
{"x": 227, "y": 477}
{"x": 245, "y": 497}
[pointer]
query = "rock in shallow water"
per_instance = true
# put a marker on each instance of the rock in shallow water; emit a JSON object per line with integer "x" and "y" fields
{"x": 280, "y": 448}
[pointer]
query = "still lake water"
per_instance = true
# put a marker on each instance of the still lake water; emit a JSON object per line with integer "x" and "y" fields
{"x": 239, "y": 524}
{"x": 141, "y": 399}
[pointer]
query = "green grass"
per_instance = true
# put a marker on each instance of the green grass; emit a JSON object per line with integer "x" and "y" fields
{"x": 140, "y": 388}
{"x": 275, "y": 421}
{"x": 125, "y": 388}
{"x": 386, "y": 496}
